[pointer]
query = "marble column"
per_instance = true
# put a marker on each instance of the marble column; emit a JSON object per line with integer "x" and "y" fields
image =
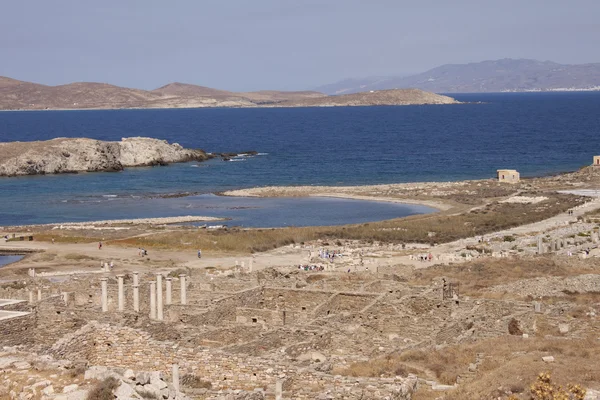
{"x": 152, "y": 300}
{"x": 183, "y": 289}
{"x": 136, "y": 292}
{"x": 121, "y": 297}
{"x": 169, "y": 291}
{"x": 175, "y": 376}
{"x": 104, "y": 284}
{"x": 159, "y": 298}
{"x": 39, "y": 294}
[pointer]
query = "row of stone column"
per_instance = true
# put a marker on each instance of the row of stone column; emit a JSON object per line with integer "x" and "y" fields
{"x": 553, "y": 245}
{"x": 32, "y": 297}
{"x": 156, "y": 294}
{"x": 560, "y": 243}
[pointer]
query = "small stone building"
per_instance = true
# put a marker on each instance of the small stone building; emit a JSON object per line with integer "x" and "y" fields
{"x": 597, "y": 161}
{"x": 508, "y": 175}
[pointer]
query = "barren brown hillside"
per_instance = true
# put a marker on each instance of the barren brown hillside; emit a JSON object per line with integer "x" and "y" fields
{"x": 19, "y": 95}
{"x": 262, "y": 96}
{"x": 187, "y": 90}
{"x": 374, "y": 98}
{"x": 26, "y": 95}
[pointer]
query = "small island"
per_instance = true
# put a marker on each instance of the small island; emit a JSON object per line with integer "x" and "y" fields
{"x": 392, "y": 97}
{"x": 20, "y": 95}
{"x": 72, "y": 155}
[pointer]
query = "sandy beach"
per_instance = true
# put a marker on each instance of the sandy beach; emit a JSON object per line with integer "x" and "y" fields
{"x": 396, "y": 193}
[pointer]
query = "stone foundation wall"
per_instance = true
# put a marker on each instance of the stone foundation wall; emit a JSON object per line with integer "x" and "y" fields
{"x": 124, "y": 347}
{"x": 22, "y": 306}
{"x": 292, "y": 299}
{"x": 17, "y": 330}
{"x": 346, "y": 302}
{"x": 246, "y": 315}
{"x": 15, "y": 294}
{"x": 223, "y": 309}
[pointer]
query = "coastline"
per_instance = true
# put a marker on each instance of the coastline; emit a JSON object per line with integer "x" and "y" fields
{"x": 357, "y": 192}
{"x": 271, "y": 106}
{"x": 134, "y": 221}
{"x": 438, "y": 206}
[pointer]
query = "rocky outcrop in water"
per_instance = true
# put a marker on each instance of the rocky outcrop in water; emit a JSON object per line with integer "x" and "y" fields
{"x": 65, "y": 155}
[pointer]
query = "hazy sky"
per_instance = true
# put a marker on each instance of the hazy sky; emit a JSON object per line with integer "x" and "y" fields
{"x": 280, "y": 44}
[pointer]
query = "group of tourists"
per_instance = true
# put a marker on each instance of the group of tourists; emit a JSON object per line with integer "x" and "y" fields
{"x": 106, "y": 266}
{"x": 311, "y": 267}
{"x": 329, "y": 255}
{"x": 142, "y": 252}
{"x": 425, "y": 257}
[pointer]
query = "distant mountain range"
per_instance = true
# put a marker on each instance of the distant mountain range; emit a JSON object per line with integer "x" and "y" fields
{"x": 506, "y": 75}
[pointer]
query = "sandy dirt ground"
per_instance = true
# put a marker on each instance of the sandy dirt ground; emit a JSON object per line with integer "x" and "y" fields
{"x": 127, "y": 259}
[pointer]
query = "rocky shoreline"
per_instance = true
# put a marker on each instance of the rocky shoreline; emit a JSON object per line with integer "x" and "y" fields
{"x": 73, "y": 155}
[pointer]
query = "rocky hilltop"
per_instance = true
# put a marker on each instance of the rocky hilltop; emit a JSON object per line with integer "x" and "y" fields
{"x": 64, "y": 155}
{"x": 20, "y": 95}
{"x": 395, "y": 97}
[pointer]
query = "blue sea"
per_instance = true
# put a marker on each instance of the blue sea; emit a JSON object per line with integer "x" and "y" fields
{"x": 536, "y": 133}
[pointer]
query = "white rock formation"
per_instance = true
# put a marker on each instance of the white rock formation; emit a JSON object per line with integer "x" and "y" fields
{"x": 87, "y": 155}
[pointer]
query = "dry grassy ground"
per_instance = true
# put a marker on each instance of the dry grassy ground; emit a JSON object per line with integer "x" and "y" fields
{"x": 476, "y": 277}
{"x": 510, "y": 364}
{"x": 439, "y": 227}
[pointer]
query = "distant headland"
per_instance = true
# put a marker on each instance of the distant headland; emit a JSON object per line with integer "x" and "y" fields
{"x": 20, "y": 95}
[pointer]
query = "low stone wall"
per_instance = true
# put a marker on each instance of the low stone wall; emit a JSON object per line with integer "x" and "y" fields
{"x": 10, "y": 293}
{"x": 245, "y": 315}
{"x": 293, "y": 299}
{"x": 124, "y": 347}
{"x": 17, "y": 330}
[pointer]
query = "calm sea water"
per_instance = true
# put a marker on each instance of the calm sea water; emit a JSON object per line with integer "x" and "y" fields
{"x": 5, "y": 260}
{"x": 536, "y": 133}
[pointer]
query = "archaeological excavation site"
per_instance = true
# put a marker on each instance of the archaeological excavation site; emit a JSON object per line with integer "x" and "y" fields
{"x": 484, "y": 315}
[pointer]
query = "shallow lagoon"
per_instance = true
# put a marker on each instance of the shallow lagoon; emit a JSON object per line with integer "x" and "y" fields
{"x": 240, "y": 211}
{"x": 5, "y": 260}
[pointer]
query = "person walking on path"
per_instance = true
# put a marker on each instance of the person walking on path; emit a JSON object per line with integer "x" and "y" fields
{"x": 99, "y": 245}
{"x": 199, "y": 253}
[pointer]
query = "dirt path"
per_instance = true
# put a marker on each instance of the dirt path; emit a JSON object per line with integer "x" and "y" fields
{"x": 126, "y": 258}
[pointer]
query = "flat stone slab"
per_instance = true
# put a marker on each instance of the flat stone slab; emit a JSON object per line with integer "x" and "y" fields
{"x": 5, "y": 315}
